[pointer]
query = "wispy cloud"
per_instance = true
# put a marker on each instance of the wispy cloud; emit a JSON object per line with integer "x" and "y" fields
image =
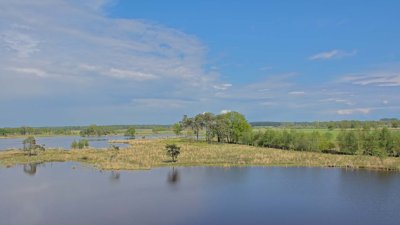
{"x": 333, "y": 54}
{"x": 222, "y": 86}
{"x": 382, "y": 79}
{"x": 90, "y": 49}
{"x": 353, "y": 111}
{"x": 297, "y": 93}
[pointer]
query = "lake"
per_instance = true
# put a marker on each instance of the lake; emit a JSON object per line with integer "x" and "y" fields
{"x": 67, "y": 193}
{"x": 65, "y": 142}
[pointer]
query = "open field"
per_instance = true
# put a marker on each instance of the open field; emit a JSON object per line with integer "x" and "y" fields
{"x": 147, "y": 154}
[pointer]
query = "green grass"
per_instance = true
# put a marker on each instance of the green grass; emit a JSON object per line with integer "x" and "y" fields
{"x": 147, "y": 154}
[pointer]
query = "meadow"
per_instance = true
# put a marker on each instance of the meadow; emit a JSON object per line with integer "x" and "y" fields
{"x": 148, "y": 154}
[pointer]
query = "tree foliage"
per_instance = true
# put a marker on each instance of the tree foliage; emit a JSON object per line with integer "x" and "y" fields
{"x": 130, "y": 132}
{"x": 228, "y": 127}
{"x": 173, "y": 151}
{"x": 94, "y": 130}
{"x": 177, "y": 129}
{"x": 31, "y": 147}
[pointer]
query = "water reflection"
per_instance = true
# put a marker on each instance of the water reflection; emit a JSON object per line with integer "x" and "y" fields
{"x": 30, "y": 169}
{"x": 61, "y": 195}
{"x": 173, "y": 176}
{"x": 115, "y": 176}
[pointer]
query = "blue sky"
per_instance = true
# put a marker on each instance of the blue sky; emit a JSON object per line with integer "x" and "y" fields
{"x": 141, "y": 62}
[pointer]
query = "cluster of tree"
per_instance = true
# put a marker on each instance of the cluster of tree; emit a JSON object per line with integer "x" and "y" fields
{"x": 290, "y": 140}
{"x": 73, "y": 130}
{"x": 38, "y": 131}
{"x": 227, "y": 127}
{"x": 343, "y": 124}
{"x": 377, "y": 142}
{"x": 94, "y": 130}
{"x": 130, "y": 132}
{"x": 31, "y": 147}
{"x": 81, "y": 144}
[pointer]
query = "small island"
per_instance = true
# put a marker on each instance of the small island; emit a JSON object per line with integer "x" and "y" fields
{"x": 228, "y": 140}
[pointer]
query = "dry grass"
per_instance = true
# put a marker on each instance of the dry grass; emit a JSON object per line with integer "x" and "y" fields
{"x": 147, "y": 154}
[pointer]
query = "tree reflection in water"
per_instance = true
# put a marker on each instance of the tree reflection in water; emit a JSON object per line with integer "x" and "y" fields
{"x": 30, "y": 169}
{"x": 115, "y": 176}
{"x": 173, "y": 176}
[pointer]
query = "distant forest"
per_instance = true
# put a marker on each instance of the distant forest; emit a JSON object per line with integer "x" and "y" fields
{"x": 77, "y": 130}
{"x": 343, "y": 124}
{"x": 118, "y": 129}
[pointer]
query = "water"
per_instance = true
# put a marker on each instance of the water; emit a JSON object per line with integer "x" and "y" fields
{"x": 65, "y": 142}
{"x": 65, "y": 193}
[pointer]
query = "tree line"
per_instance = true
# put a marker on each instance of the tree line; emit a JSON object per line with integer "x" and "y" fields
{"x": 232, "y": 127}
{"x": 343, "y": 124}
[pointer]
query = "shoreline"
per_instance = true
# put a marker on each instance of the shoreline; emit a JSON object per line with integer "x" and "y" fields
{"x": 144, "y": 154}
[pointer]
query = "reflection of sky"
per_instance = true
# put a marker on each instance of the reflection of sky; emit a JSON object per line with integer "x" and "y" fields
{"x": 66, "y": 193}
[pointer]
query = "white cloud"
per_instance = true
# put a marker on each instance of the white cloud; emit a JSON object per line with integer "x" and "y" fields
{"x": 338, "y": 100}
{"x": 385, "y": 102}
{"x": 94, "y": 52}
{"x": 296, "y": 93}
{"x": 222, "y": 87}
{"x": 353, "y": 111}
{"x": 122, "y": 74}
{"x": 33, "y": 71}
{"x": 161, "y": 103}
{"x": 19, "y": 42}
{"x": 224, "y": 111}
{"x": 382, "y": 79}
{"x": 333, "y": 54}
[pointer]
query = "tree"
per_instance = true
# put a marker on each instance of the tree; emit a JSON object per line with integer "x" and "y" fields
{"x": 208, "y": 121}
{"x": 30, "y": 146}
{"x": 396, "y": 123}
{"x": 386, "y": 141}
{"x": 94, "y": 130}
{"x": 177, "y": 128}
{"x": 235, "y": 125}
{"x": 348, "y": 141}
{"x": 370, "y": 143}
{"x": 130, "y": 132}
{"x": 187, "y": 123}
{"x": 173, "y": 151}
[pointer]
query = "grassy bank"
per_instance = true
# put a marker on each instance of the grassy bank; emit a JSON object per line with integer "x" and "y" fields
{"x": 147, "y": 154}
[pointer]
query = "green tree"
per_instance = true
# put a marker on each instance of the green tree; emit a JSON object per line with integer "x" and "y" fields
{"x": 30, "y": 146}
{"x": 396, "y": 123}
{"x": 386, "y": 141}
{"x": 208, "y": 123}
{"x": 173, "y": 151}
{"x": 94, "y": 130}
{"x": 234, "y": 125}
{"x": 130, "y": 132}
{"x": 177, "y": 128}
{"x": 348, "y": 141}
{"x": 370, "y": 143}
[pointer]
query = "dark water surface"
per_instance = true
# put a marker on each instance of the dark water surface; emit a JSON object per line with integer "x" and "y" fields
{"x": 61, "y": 194}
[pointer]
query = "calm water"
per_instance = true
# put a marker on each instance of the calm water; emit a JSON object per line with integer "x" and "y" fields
{"x": 64, "y": 142}
{"x": 62, "y": 194}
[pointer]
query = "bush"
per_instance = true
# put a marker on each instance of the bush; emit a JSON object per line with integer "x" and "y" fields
{"x": 81, "y": 144}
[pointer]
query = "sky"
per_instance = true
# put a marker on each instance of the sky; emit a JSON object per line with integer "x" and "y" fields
{"x": 73, "y": 62}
